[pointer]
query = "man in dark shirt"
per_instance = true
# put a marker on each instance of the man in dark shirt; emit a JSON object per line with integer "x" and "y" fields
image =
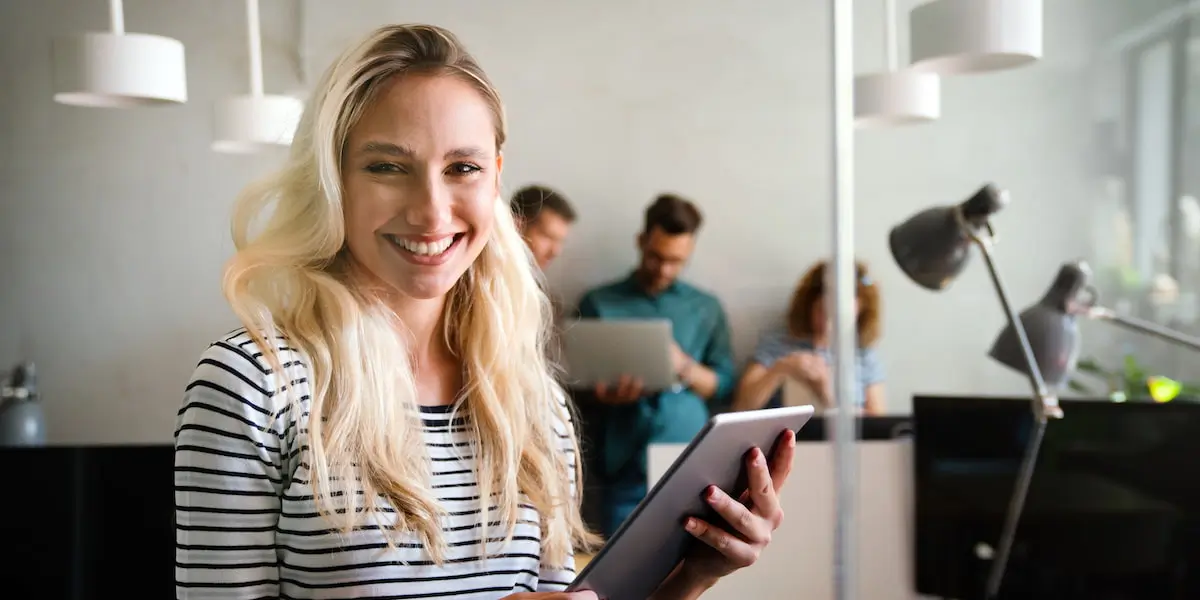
{"x": 620, "y": 421}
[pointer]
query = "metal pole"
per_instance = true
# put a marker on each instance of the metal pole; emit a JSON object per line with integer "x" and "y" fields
{"x": 844, "y": 317}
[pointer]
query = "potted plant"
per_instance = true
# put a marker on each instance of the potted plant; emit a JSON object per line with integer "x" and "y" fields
{"x": 1130, "y": 381}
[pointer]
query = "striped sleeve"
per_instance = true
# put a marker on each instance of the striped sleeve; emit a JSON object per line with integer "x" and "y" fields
{"x": 228, "y": 471}
{"x": 556, "y": 578}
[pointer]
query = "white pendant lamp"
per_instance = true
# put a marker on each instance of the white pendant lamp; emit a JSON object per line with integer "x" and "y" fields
{"x": 952, "y": 37}
{"x": 896, "y": 97}
{"x": 116, "y": 69}
{"x": 254, "y": 122}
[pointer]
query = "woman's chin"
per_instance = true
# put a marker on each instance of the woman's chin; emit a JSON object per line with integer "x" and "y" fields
{"x": 426, "y": 287}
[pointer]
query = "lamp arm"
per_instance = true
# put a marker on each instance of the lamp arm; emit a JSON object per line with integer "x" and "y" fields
{"x": 1045, "y": 405}
{"x": 1145, "y": 327}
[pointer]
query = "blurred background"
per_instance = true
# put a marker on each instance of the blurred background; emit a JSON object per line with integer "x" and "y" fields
{"x": 114, "y": 224}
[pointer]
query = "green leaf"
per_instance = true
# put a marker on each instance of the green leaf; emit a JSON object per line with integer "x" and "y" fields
{"x": 1090, "y": 365}
{"x": 1075, "y": 386}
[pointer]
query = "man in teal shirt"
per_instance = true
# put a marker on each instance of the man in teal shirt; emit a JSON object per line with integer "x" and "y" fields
{"x": 619, "y": 420}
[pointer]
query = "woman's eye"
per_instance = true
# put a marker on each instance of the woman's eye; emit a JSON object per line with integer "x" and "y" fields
{"x": 464, "y": 169}
{"x": 383, "y": 168}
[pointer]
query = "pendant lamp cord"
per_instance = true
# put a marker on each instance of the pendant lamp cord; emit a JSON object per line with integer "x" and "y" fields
{"x": 889, "y": 35}
{"x": 255, "y": 39}
{"x": 116, "y": 17}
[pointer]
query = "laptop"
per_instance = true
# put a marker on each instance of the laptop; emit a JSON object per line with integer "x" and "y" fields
{"x": 601, "y": 350}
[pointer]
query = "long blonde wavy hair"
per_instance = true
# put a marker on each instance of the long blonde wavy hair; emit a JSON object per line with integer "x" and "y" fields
{"x": 290, "y": 277}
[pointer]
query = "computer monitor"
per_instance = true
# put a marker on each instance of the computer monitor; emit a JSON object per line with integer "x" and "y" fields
{"x": 87, "y": 522}
{"x": 1111, "y": 514}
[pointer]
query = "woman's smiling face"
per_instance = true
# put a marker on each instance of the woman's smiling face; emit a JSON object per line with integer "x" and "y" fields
{"x": 421, "y": 181}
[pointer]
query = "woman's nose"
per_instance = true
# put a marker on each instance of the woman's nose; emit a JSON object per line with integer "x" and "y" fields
{"x": 430, "y": 210}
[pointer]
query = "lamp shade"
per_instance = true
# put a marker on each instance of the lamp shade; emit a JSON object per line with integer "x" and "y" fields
{"x": 896, "y": 98}
{"x": 974, "y": 36}
{"x": 245, "y": 124}
{"x": 1052, "y": 330}
{"x": 933, "y": 246}
{"x": 111, "y": 70}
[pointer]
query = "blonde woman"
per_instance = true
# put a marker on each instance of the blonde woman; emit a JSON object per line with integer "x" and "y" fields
{"x": 386, "y": 424}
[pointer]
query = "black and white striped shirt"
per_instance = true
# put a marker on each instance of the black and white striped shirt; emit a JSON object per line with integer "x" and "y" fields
{"x": 247, "y": 526}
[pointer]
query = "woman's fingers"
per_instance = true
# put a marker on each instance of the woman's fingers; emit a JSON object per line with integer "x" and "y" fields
{"x": 780, "y": 465}
{"x": 762, "y": 490}
{"x": 736, "y": 550}
{"x": 755, "y": 515}
{"x": 744, "y": 521}
{"x": 781, "y": 459}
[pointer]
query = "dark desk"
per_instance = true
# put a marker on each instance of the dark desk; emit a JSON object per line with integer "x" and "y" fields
{"x": 88, "y": 522}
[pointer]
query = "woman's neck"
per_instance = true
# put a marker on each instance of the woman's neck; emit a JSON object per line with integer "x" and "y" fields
{"x": 421, "y": 318}
{"x": 424, "y": 326}
{"x": 436, "y": 370}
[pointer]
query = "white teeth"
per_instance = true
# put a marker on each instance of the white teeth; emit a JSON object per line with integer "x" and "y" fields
{"x": 424, "y": 248}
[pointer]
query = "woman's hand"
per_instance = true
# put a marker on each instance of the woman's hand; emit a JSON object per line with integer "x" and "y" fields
{"x": 810, "y": 369}
{"x": 552, "y": 596}
{"x": 805, "y": 367}
{"x": 752, "y": 520}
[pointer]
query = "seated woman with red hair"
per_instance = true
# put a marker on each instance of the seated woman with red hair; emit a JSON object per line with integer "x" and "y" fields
{"x": 800, "y": 350}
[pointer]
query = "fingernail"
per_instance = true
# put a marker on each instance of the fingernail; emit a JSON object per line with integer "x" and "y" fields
{"x": 759, "y": 458}
{"x": 711, "y": 492}
{"x": 791, "y": 438}
{"x": 691, "y": 525}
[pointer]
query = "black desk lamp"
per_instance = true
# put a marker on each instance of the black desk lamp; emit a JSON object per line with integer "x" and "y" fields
{"x": 932, "y": 248}
{"x": 1053, "y": 329}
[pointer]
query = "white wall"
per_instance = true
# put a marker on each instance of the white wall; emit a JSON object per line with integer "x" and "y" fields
{"x": 114, "y": 224}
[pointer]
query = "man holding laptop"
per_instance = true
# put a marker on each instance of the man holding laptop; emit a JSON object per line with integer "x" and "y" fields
{"x": 621, "y": 419}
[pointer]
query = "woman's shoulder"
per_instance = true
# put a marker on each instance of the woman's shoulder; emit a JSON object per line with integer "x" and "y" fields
{"x": 255, "y": 368}
{"x": 253, "y": 351}
{"x": 564, "y": 419}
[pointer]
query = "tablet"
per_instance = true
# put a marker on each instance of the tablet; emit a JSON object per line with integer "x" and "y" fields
{"x": 652, "y": 541}
{"x": 600, "y": 351}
